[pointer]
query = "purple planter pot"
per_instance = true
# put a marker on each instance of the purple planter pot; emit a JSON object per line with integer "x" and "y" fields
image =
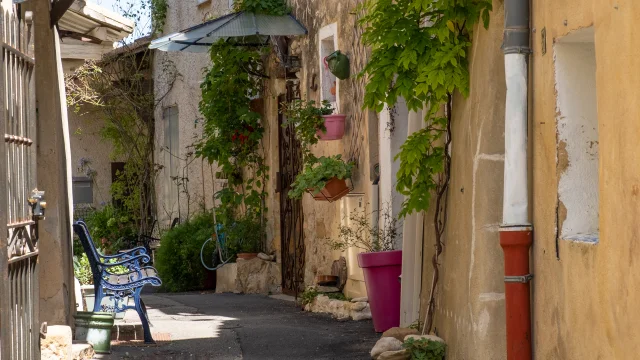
{"x": 335, "y": 127}
{"x": 381, "y": 275}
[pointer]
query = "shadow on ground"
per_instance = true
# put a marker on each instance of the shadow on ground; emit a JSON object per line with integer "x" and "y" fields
{"x": 228, "y": 326}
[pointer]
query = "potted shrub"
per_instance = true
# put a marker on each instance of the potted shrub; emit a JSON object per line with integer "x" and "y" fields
{"x": 312, "y": 122}
{"x": 245, "y": 236}
{"x": 381, "y": 264}
{"x": 324, "y": 177}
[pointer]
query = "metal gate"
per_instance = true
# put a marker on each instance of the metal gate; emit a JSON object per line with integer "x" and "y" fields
{"x": 20, "y": 329}
{"x": 291, "y": 215}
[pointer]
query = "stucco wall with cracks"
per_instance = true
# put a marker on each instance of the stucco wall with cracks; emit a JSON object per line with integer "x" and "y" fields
{"x": 470, "y": 295}
{"x": 583, "y": 291}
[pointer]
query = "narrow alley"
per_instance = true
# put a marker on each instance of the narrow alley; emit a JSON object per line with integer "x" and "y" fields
{"x": 229, "y": 326}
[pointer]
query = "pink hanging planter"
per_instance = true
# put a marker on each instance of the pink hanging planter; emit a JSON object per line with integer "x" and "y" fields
{"x": 335, "y": 127}
{"x": 382, "y": 272}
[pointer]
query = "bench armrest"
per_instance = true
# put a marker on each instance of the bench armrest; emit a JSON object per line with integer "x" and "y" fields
{"x": 134, "y": 260}
{"x": 126, "y": 254}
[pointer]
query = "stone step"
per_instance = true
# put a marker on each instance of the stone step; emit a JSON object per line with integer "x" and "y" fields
{"x": 82, "y": 351}
{"x": 127, "y": 332}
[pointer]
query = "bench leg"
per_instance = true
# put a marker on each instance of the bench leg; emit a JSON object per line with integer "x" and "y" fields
{"x": 148, "y": 339}
{"x": 97, "y": 304}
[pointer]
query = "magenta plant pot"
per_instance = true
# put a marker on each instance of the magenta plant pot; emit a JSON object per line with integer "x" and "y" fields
{"x": 381, "y": 275}
{"x": 335, "y": 127}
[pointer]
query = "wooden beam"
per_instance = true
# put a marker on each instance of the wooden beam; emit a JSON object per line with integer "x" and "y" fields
{"x": 86, "y": 51}
{"x": 58, "y": 9}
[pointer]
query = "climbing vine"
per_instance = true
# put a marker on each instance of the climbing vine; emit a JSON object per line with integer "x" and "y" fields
{"x": 159, "y": 10}
{"x": 270, "y": 7}
{"x": 117, "y": 89}
{"x": 420, "y": 53}
{"x": 233, "y": 130}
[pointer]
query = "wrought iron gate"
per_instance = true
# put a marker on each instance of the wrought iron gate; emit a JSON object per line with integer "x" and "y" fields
{"x": 291, "y": 215}
{"x": 20, "y": 328}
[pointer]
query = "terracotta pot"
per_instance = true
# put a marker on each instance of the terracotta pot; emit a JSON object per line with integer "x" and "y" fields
{"x": 327, "y": 280}
{"x": 334, "y": 190}
{"x": 335, "y": 127}
{"x": 247, "y": 256}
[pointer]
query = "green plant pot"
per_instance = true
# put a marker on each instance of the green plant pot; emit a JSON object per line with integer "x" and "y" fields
{"x": 95, "y": 328}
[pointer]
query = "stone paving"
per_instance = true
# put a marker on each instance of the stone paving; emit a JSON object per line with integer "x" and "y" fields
{"x": 229, "y": 326}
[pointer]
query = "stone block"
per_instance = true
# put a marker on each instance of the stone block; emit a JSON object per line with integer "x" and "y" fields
{"x": 58, "y": 344}
{"x": 257, "y": 276}
{"x": 385, "y": 344}
{"x": 360, "y": 299}
{"x": 82, "y": 351}
{"x": 226, "y": 279}
{"x": 399, "y": 333}
{"x": 395, "y": 355}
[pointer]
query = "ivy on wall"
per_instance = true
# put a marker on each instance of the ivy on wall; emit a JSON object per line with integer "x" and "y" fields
{"x": 159, "y": 10}
{"x": 232, "y": 130}
{"x": 270, "y": 7}
{"x": 420, "y": 53}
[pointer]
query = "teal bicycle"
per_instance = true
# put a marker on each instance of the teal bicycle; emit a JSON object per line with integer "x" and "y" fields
{"x": 220, "y": 255}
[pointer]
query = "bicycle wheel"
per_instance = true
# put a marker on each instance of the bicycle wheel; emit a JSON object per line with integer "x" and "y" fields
{"x": 214, "y": 261}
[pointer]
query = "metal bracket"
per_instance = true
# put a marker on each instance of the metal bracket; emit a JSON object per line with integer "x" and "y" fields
{"x": 43, "y": 330}
{"x": 518, "y": 279}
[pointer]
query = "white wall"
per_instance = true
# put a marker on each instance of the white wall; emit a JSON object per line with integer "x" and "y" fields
{"x": 578, "y": 134}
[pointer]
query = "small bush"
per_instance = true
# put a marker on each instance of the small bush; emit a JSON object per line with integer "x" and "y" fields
{"x": 424, "y": 349}
{"x": 109, "y": 227}
{"x": 178, "y": 258}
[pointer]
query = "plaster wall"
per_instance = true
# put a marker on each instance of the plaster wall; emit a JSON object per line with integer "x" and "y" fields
{"x": 585, "y": 295}
{"x": 87, "y": 143}
{"x": 177, "y": 79}
{"x": 469, "y": 313}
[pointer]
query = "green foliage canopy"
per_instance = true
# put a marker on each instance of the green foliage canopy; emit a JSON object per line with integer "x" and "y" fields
{"x": 419, "y": 52}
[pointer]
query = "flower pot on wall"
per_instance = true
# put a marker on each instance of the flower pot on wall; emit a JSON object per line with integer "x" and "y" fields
{"x": 382, "y": 277}
{"x": 334, "y": 190}
{"x": 335, "y": 127}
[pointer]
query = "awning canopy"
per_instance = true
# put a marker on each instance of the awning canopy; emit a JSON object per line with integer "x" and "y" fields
{"x": 237, "y": 25}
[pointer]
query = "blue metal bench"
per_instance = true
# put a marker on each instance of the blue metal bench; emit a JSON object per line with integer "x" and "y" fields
{"x": 119, "y": 287}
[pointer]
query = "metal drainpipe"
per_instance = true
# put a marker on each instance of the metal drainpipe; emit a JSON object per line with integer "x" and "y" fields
{"x": 516, "y": 231}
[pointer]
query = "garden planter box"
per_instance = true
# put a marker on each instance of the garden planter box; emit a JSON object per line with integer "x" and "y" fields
{"x": 334, "y": 190}
{"x": 335, "y": 127}
{"x": 381, "y": 275}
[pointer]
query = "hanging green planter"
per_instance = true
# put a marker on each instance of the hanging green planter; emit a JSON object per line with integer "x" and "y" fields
{"x": 338, "y": 64}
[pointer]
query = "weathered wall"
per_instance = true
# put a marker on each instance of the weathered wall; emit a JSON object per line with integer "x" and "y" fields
{"x": 585, "y": 298}
{"x": 87, "y": 143}
{"x": 322, "y": 219}
{"x": 177, "y": 77}
{"x": 470, "y": 296}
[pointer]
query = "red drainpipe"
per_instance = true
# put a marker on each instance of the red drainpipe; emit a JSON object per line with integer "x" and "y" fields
{"x": 516, "y": 231}
{"x": 515, "y": 242}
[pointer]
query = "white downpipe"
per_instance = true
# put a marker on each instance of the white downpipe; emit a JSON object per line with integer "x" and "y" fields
{"x": 516, "y": 198}
{"x": 412, "y": 242}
